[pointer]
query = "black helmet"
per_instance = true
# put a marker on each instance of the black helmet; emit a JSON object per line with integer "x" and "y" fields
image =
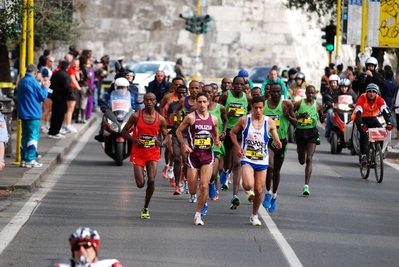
{"x": 292, "y": 71}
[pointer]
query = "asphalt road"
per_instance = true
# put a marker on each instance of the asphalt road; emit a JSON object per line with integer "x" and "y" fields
{"x": 346, "y": 221}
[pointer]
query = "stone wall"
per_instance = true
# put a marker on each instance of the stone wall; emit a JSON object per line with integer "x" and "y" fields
{"x": 245, "y": 33}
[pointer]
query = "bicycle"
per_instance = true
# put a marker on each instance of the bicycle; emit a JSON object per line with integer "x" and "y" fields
{"x": 374, "y": 154}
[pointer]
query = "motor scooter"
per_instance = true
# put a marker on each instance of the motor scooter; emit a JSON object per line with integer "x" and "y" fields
{"x": 115, "y": 117}
{"x": 342, "y": 112}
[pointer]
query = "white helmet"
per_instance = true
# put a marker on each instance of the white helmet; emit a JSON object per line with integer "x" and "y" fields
{"x": 334, "y": 77}
{"x": 373, "y": 61}
{"x": 121, "y": 82}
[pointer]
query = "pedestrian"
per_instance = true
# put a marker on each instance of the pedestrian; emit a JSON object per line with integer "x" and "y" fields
{"x": 202, "y": 128}
{"x": 236, "y": 103}
{"x": 46, "y": 72}
{"x": 85, "y": 244}
{"x": 159, "y": 86}
{"x": 3, "y": 139}
{"x": 73, "y": 72}
{"x": 61, "y": 86}
{"x": 253, "y": 152}
{"x": 30, "y": 94}
{"x": 145, "y": 151}
{"x": 179, "y": 69}
{"x": 307, "y": 136}
{"x": 282, "y": 112}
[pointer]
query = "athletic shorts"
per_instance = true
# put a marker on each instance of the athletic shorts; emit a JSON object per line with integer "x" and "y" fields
{"x": 304, "y": 136}
{"x": 140, "y": 156}
{"x": 74, "y": 95}
{"x": 278, "y": 153}
{"x": 227, "y": 139}
{"x": 219, "y": 152}
{"x": 256, "y": 167}
{"x": 196, "y": 159}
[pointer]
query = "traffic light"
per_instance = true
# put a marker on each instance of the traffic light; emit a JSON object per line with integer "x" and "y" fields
{"x": 197, "y": 24}
{"x": 329, "y": 37}
{"x": 205, "y": 21}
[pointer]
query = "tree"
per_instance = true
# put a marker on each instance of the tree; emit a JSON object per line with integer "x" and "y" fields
{"x": 53, "y": 21}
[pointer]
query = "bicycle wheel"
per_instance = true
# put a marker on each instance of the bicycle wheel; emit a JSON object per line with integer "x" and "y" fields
{"x": 364, "y": 169}
{"x": 378, "y": 163}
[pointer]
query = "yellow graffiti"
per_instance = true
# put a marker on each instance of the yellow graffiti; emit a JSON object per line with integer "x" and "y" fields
{"x": 389, "y": 23}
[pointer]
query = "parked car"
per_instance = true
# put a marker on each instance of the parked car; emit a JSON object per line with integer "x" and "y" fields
{"x": 145, "y": 72}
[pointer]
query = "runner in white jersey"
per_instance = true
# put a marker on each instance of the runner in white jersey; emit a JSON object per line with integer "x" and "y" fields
{"x": 253, "y": 151}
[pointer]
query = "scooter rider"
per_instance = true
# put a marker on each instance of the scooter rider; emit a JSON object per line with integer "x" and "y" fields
{"x": 371, "y": 76}
{"x": 299, "y": 84}
{"x": 344, "y": 89}
{"x": 368, "y": 106}
{"x": 329, "y": 97}
{"x": 120, "y": 84}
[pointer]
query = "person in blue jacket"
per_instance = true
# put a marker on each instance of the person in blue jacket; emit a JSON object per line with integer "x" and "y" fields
{"x": 30, "y": 94}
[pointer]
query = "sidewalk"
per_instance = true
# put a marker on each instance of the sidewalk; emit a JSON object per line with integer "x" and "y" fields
{"x": 51, "y": 150}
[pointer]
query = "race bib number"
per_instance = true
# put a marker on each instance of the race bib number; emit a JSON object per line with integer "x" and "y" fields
{"x": 148, "y": 140}
{"x": 202, "y": 141}
{"x": 254, "y": 154}
{"x": 276, "y": 119}
{"x": 238, "y": 108}
{"x": 305, "y": 121}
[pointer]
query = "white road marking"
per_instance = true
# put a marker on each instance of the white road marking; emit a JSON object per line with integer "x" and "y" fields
{"x": 9, "y": 232}
{"x": 287, "y": 250}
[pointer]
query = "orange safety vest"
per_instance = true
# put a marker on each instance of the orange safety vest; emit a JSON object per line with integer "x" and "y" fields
{"x": 370, "y": 109}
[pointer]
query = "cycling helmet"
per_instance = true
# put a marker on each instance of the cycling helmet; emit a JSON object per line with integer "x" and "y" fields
{"x": 84, "y": 234}
{"x": 372, "y": 87}
{"x": 372, "y": 61}
{"x": 344, "y": 82}
{"x": 333, "y": 77}
{"x": 243, "y": 73}
{"x": 300, "y": 75}
{"x": 121, "y": 82}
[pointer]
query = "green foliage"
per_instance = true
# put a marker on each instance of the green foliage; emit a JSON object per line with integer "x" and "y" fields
{"x": 320, "y": 7}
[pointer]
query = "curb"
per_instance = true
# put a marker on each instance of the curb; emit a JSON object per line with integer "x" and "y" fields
{"x": 33, "y": 177}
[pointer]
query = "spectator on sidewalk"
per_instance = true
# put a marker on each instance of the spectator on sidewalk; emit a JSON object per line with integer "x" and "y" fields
{"x": 30, "y": 95}
{"x": 179, "y": 69}
{"x": 73, "y": 72}
{"x": 61, "y": 86}
{"x": 159, "y": 86}
{"x": 3, "y": 139}
{"x": 46, "y": 72}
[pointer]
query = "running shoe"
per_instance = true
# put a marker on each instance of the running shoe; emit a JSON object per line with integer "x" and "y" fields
{"x": 306, "y": 190}
{"x": 71, "y": 129}
{"x": 44, "y": 129}
{"x": 170, "y": 173}
{"x": 198, "y": 221}
{"x": 164, "y": 174}
{"x": 145, "y": 213}
{"x": 235, "y": 202}
{"x": 254, "y": 220}
{"x": 251, "y": 196}
{"x": 57, "y": 136}
{"x": 172, "y": 182}
{"x": 266, "y": 202}
{"x": 223, "y": 177}
{"x": 177, "y": 191}
{"x": 363, "y": 160}
{"x": 185, "y": 187}
{"x": 33, "y": 164}
{"x": 204, "y": 209}
{"x": 63, "y": 131}
{"x": 225, "y": 187}
{"x": 192, "y": 199}
{"x": 22, "y": 164}
{"x": 217, "y": 195}
{"x": 273, "y": 205}
{"x": 396, "y": 146}
{"x": 212, "y": 190}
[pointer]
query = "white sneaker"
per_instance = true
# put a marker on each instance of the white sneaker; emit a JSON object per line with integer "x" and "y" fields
{"x": 254, "y": 220}
{"x": 44, "y": 129}
{"x": 198, "y": 221}
{"x": 57, "y": 136}
{"x": 71, "y": 129}
{"x": 63, "y": 130}
{"x": 33, "y": 164}
{"x": 396, "y": 146}
{"x": 170, "y": 174}
{"x": 192, "y": 199}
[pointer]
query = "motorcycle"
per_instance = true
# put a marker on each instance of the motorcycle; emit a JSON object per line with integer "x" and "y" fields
{"x": 299, "y": 95}
{"x": 115, "y": 117}
{"x": 341, "y": 116}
